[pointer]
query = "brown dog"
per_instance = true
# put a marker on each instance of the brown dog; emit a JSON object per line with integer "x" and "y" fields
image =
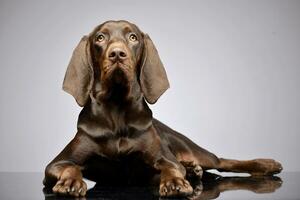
{"x": 112, "y": 73}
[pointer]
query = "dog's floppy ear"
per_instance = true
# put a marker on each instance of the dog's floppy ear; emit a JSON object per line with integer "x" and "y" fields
{"x": 79, "y": 77}
{"x": 153, "y": 78}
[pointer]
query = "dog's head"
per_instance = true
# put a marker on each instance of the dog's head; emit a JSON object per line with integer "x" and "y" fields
{"x": 114, "y": 62}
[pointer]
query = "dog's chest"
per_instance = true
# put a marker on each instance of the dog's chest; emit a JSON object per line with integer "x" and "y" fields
{"x": 117, "y": 121}
{"x": 117, "y": 132}
{"x": 123, "y": 121}
{"x": 118, "y": 145}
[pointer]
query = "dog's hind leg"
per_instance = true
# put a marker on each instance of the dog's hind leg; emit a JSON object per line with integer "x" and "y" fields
{"x": 194, "y": 158}
{"x": 255, "y": 167}
{"x": 190, "y": 154}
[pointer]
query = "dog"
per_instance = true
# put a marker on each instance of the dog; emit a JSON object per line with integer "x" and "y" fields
{"x": 114, "y": 73}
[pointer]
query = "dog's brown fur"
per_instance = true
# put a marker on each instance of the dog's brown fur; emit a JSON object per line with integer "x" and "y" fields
{"x": 112, "y": 73}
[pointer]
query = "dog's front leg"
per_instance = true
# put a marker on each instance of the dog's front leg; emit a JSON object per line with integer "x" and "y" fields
{"x": 64, "y": 174}
{"x": 172, "y": 172}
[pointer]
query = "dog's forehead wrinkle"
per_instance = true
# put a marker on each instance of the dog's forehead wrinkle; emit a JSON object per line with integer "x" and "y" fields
{"x": 117, "y": 26}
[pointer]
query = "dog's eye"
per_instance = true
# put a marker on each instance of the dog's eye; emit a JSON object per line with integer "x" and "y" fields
{"x": 100, "y": 37}
{"x": 132, "y": 37}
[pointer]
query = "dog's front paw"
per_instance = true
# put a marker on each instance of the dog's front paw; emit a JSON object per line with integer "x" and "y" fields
{"x": 70, "y": 183}
{"x": 175, "y": 187}
{"x": 73, "y": 187}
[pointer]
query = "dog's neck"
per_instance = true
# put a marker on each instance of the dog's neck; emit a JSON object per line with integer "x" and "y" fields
{"x": 114, "y": 93}
{"x": 111, "y": 116}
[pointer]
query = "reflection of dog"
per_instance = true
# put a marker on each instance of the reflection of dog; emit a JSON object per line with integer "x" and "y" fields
{"x": 112, "y": 73}
{"x": 213, "y": 185}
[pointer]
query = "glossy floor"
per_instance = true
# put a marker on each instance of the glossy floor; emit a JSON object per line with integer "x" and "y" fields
{"x": 285, "y": 186}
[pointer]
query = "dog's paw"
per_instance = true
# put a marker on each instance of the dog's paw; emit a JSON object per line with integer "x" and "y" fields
{"x": 70, "y": 183}
{"x": 266, "y": 167}
{"x": 69, "y": 186}
{"x": 192, "y": 169}
{"x": 175, "y": 187}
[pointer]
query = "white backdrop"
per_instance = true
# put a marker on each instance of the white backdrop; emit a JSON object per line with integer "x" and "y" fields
{"x": 234, "y": 70}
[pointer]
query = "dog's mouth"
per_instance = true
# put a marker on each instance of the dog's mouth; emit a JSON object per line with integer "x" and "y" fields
{"x": 117, "y": 82}
{"x": 119, "y": 77}
{"x": 118, "y": 74}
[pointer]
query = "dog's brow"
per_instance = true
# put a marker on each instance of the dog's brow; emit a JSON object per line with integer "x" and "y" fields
{"x": 127, "y": 29}
{"x": 104, "y": 30}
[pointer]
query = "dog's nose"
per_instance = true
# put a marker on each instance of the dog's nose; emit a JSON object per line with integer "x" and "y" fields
{"x": 117, "y": 53}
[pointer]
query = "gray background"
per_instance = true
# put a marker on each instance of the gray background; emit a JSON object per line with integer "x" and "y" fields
{"x": 233, "y": 66}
